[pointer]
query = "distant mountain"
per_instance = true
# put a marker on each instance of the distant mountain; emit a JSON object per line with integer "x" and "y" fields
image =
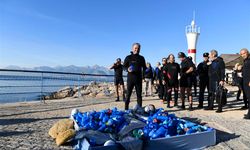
{"x": 96, "y": 69}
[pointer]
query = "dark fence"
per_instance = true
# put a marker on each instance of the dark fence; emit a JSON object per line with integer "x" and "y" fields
{"x": 25, "y": 85}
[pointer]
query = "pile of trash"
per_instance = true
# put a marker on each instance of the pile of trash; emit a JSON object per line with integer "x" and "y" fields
{"x": 128, "y": 129}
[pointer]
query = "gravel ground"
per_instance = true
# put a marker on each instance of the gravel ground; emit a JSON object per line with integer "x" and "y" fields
{"x": 26, "y": 125}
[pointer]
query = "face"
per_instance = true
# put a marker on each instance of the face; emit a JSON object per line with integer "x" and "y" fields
{"x": 148, "y": 65}
{"x": 205, "y": 58}
{"x": 211, "y": 55}
{"x": 244, "y": 54}
{"x": 164, "y": 61}
{"x": 135, "y": 49}
{"x": 181, "y": 59}
{"x": 171, "y": 58}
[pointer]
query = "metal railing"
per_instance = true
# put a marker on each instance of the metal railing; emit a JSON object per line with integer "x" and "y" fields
{"x": 26, "y": 85}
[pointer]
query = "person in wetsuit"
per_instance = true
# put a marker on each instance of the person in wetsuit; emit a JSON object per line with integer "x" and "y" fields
{"x": 135, "y": 65}
{"x": 173, "y": 69}
{"x": 186, "y": 79}
{"x": 118, "y": 68}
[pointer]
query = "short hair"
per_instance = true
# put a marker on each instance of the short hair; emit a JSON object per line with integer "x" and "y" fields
{"x": 215, "y": 52}
{"x": 138, "y": 44}
{"x": 245, "y": 49}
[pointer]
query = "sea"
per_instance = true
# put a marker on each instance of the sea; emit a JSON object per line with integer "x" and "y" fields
{"x": 23, "y": 87}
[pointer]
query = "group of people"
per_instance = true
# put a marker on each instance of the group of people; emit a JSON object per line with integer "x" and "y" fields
{"x": 171, "y": 76}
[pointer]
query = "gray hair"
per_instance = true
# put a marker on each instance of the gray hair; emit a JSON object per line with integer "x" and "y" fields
{"x": 215, "y": 52}
{"x": 245, "y": 49}
{"x": 138, "y": 44}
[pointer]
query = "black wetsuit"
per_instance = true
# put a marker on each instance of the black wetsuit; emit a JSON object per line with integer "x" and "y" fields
{"x": 216, "y": 73}
{"x": 134, "y": 79}
{"x": 246, "y": 80}
{"x": 202, "y": 71}
{"x": 186, "y": 79}
{"x": 118, "y": 74}
{"x": 164, "y": 78}
{"x": 173, "y": 69}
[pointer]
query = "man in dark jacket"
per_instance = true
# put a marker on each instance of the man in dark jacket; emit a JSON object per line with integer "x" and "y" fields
{"x": 186, "y": 79}
{"x": 216, "y": 73}
{"x": 246, "y": 77}
{"x": 202, "y": 71}
{"x": 135, "y": 65}
{"x": 118, "y": 67}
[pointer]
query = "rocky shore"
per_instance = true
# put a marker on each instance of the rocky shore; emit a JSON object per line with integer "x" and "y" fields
{"x": 92, "y": 90}
{"x": 26, "y": 125}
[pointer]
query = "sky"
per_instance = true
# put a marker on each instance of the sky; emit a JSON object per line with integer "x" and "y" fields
{"x": 88, "y": 32}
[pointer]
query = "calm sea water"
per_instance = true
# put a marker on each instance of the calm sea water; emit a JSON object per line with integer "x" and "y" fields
{"x": 28, "y": 87}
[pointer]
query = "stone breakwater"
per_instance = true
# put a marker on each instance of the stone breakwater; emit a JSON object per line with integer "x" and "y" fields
{"x": 92, "y": 90}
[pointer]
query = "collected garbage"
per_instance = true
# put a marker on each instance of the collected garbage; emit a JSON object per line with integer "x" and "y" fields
{"x": 113, "y": 126}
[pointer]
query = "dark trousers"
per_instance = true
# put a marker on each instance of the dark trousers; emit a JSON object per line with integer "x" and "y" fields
{"x": 246, "y": 89}
{"x": 203, "y": 84}
{"x": 134, "y": 81}
{"x": 213, "y": 84}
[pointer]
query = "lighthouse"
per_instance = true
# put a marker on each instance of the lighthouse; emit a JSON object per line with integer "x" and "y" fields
{"x": 192, "y": 34}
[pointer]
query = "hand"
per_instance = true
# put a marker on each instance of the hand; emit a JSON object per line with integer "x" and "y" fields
{"x": 163, "y": 82}
{"x": 129, "y": 69}
{"x": 249, "y": 84}
{"x": 221, "y": 83}
{"x": 209, "y": 63}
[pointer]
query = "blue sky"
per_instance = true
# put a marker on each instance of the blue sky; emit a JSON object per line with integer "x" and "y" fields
{"x": 88, "y": 32}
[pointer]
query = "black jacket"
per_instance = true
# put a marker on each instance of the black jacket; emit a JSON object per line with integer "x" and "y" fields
{"x": 246, "y": 71}
{"x": 202, "y": 70}
{"x": 138, "y": 63}
{"x": 148, "y": 73}
{"x": 216, "y": 70}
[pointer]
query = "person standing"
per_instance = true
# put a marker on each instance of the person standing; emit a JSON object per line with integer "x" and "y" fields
{"x": 173, "y": 70}
{"x": 216, "y": 74}
{"x": 157, "y": 77}
{"x": 246, "y": 77}
{"x": 118, "y": 68}
{"x": 194, "y": 77}
{"x": 202, "y": 70}
{"x": 148, "y": 78}
{"x": 186, "y": 69}
{"x": 135, "y": 65}
{"x": 164, "y": 78}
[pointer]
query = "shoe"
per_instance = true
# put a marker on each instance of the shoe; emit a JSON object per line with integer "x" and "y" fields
{"x": 190, "y": 108}
{"x": 244, "y": 107}
{"x": 218, "y": 111}
{"x": 117, "y": 100}
{"x": 199, "y": 107}
{"x": 246, "y": 117}
{"x": 209, "y": 108}
{"x": 183, "y": 107}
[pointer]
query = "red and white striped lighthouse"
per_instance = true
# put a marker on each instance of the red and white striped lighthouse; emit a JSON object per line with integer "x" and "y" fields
{"x": 192, "y": 33}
